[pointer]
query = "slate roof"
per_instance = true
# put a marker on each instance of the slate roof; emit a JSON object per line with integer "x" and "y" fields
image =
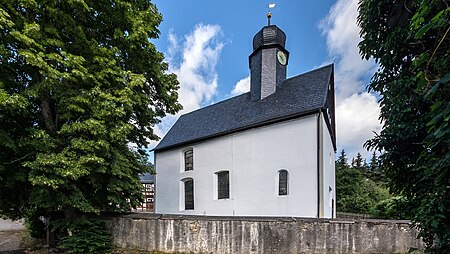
{"x": 146, "y": 178}
{"x": 296, "y": 96}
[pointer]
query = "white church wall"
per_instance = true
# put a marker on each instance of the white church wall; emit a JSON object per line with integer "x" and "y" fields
{"x": 167, "y": 180}
{"x": 329, "y": 190}
{"x": 260, "y": 156}
{"x": 253, "y": 159}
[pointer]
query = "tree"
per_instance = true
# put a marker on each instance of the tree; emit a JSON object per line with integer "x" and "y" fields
{"x": 81, "y": 86}
{"x": 374, "y": 169}
{"x": 341, "y": 163}
{"x": 357, "y": 194}
{"x": 374, "y": 162}
{"x": 411, "y": 43}
{"x": 359, "y": 163}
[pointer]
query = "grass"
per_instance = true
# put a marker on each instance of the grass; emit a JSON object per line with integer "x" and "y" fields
{"x": 37, "y": 246}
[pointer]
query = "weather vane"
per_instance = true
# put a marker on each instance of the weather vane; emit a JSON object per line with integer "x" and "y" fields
{"x": 269, "y": 14}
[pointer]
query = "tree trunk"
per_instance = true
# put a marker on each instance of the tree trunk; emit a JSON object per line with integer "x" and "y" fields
{"x": 50, "y": 234}
{"x": 48, "y": 113}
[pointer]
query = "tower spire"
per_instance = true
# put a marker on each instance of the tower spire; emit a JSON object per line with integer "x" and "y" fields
{"x": 269, "y": 14}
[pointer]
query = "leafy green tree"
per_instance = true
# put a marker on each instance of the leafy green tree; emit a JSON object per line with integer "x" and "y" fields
{"x": 81, "y": 86}
{"x": 394, "y": 207}
{"x": 411, "y": 43}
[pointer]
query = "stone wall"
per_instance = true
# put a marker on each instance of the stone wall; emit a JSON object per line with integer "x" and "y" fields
{"x": 207, "y": 234}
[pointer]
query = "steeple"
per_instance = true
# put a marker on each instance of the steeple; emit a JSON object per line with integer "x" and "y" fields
{"x": 268, "y": 62}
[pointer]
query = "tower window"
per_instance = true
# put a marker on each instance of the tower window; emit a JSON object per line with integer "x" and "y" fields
{"x": 189, "y": 194}
{"x": 223, "y": 185}
{"x": 282, "y": 182}
{"x": 189, "y": 160}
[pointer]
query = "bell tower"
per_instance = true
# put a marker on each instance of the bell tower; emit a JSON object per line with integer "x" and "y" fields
{"x": 268, "y": 62}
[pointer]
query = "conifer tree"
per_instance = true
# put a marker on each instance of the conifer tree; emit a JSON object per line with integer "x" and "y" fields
{"x": 374, "y": 168}
{"x": 342, "y": 161}
{"x": 358, "y": 162}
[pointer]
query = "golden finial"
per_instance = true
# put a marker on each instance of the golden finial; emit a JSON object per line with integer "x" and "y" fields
{"x": 269, "y": 14}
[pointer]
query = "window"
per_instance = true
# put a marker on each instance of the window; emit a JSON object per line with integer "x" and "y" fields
{"x": 282, "y": 182}
{"x": 189, "y": 194}
{"x": 223, "y": 185}
{"x": 189, "y": 160}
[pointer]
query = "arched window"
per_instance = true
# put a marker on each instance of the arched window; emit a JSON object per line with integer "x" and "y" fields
{"x": 189, "y": 194}
{"x": 189, "y": 160}
{"x": 223, "y": 185}
{"x": 283, "y": 176}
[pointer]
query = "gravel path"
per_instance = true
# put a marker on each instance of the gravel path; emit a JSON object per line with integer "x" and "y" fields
{"x": 10, "y": 241}
{"x": 10, "y": 236}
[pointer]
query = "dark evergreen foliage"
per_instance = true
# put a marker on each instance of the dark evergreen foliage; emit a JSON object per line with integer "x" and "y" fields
{"x": 355, "y": 191}
{"x": 342, "y": 161}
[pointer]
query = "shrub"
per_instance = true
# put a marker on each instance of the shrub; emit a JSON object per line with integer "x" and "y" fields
{"x": 84, "y": 236}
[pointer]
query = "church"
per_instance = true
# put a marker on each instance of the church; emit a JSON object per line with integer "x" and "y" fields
{"x": 268, "y": 152}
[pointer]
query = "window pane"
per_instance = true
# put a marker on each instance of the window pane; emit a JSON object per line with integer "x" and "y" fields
{"x": 283, "y": 183}
{"x": 189, "y": 160}
{"x": 223, "y": 184}
{"x": 189, "y": 195}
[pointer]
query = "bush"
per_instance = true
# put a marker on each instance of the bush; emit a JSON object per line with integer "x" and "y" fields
{"x": 84, "y": 236}
{"x": 36, "y": 227}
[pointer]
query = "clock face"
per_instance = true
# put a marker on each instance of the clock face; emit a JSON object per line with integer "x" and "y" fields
{"x": 281, "y": 56}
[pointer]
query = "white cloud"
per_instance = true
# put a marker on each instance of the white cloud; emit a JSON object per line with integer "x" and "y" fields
{"x": 193, "y": 59}
{"x": 196, "y": 69}
{"x": 242, "y": 86}
{"x": 357, "y": 118}
{"x": 356, "y": 111}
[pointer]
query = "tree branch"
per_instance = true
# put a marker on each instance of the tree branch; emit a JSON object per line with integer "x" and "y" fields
{"x": 434, "y": 52}
{"x": 14, "y": 161}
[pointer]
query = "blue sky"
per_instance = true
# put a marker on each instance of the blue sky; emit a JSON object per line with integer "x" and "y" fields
{"x": 207, "y": 44}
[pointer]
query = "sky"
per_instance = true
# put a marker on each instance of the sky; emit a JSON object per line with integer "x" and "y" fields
{"x": 207, "y": 44}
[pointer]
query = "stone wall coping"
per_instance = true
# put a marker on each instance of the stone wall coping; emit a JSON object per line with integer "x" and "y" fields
{"x": 154, "y": 216}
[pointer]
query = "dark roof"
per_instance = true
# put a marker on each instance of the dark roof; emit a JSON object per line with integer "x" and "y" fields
{"x": 269, "y": 35}
{"x": 146, "y": 178}
{"x": 296, "y": 96}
